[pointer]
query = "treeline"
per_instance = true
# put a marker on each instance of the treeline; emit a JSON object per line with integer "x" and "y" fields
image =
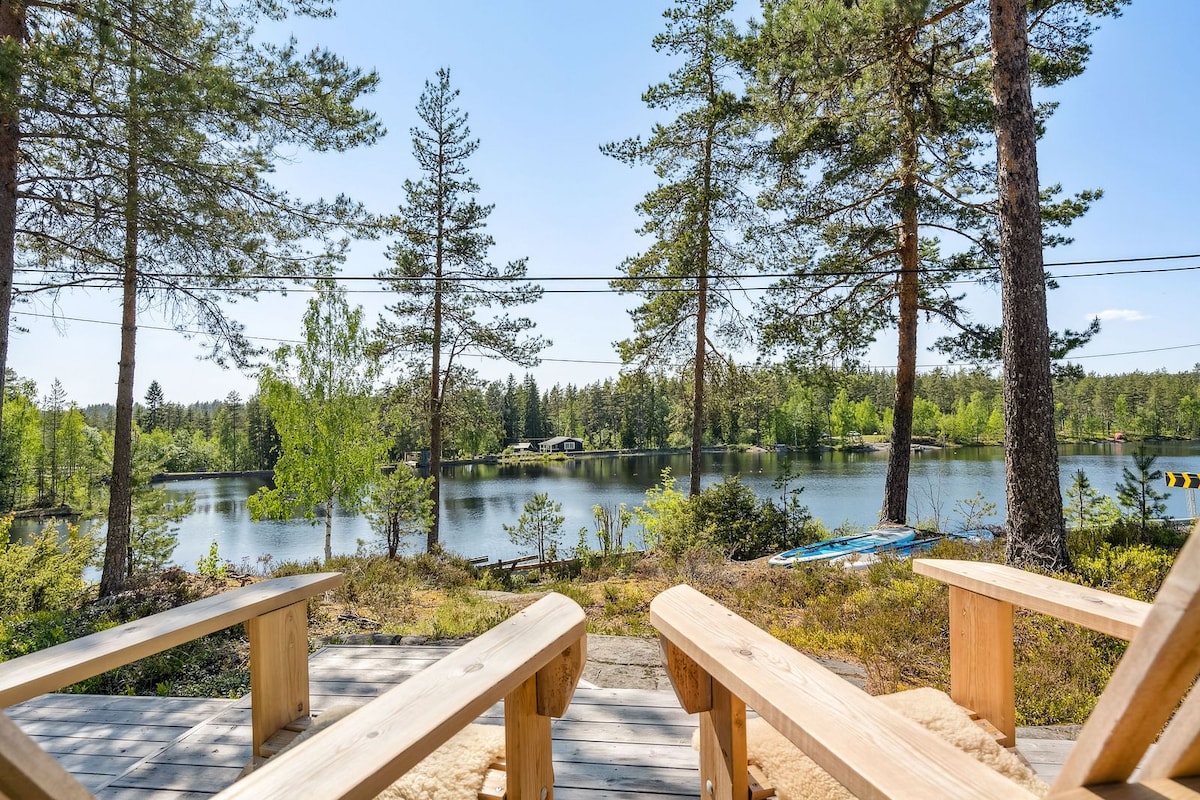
{"x": 61, "y": 453}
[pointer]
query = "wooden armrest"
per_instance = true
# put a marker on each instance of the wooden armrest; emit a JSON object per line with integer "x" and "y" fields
{"x": 1092, "y": 608}
{"x": 70, "y": 662}
{"x": 364, "y": 753}
{"x": 1162, "y": 789}
{"x": 871, "y": 749}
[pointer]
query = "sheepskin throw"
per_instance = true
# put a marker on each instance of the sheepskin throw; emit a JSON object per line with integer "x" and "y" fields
{"x": 795, "y": 777}
{"x": 455, "y": 771}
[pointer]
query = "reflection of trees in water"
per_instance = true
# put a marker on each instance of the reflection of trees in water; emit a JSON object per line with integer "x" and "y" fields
{"x": 476, "y": 502}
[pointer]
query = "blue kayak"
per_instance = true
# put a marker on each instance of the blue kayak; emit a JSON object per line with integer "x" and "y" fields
{"x": 862, "y": 559}
{"x": 868, "y": 542}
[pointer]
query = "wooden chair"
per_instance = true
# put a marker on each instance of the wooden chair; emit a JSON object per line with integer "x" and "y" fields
{"x": 532, "y": 662}
{"x": 719, "y": 664}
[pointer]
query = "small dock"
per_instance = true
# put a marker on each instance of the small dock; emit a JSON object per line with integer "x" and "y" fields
{"x": 612, "y": 743}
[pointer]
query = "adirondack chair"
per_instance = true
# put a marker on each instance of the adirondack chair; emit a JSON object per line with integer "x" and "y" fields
{"x": 532, "y": 662}
{"x": 719, "y": 663}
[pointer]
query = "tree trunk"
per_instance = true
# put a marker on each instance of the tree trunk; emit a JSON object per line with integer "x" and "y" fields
{"x": 433, "y": 540}
{"x": 12, "y": 34}
{"x": 895, "y": 490}
{"x": 120, "y": 490}
{"x": 1036, "y": 536}
{"x": 329, "y": 530}
{"x": 698, "y": 387}
{"x": 117, "y": 557}
{"x": 701, "y": 350}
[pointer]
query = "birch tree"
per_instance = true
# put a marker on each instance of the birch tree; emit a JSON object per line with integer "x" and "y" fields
{"x": 320, "y": 395}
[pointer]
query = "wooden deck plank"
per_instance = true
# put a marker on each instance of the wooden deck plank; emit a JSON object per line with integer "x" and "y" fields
{"x": 177, "y": 777}
{"x": 73, "y": 745}
{"x": 612, "y": 743}
{"x": 83, "y": 730}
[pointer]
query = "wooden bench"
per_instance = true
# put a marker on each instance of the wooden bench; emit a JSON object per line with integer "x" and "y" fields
{"x": 532, "y": 662}
{"x": 720, "y": 663}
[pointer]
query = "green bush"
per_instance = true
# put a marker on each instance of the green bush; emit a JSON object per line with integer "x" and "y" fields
{"x": 46, "y": 573}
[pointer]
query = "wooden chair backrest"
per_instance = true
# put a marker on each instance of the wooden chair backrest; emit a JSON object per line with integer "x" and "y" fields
{"x": 1158, "y": 668}
{"x": 532, "y": 661}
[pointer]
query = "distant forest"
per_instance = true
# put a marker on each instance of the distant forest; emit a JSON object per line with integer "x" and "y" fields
{"x": 62, "y": 453}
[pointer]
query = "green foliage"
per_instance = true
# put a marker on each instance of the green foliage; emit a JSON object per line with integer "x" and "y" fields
{"x": 399, "y": 506}
{"x": 611, "y": 521}
{"x": 729, "y": 515}
{"x": 1136, "y": 492}
{"x": 539, "y": 526}
{"x": 1086, "y": 509}
{"x": 665, "y": 517}
{"x": 45, "y": 573}
{"x": 212, "y": 565}
{"x": 326, "y": 416}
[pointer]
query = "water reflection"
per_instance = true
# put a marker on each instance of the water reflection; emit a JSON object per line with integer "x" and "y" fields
{"x": 478, "y": 499}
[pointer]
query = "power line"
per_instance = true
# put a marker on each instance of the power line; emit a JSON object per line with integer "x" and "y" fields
{"x": 469, "y": 279}
{"x": 600, "y": 362}
{"x": 32, "y": 287}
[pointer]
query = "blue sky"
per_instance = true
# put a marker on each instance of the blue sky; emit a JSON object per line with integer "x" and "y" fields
{"x": 545, "y": 83}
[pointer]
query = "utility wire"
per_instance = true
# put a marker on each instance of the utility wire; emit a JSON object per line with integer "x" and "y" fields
{"x": 466, "y": 279}
{"x": 595, "y": 361}
{"x": 31, "y": 287}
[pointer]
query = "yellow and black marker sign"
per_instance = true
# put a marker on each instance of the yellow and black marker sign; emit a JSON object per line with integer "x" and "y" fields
{"x": 1185, "y": 480}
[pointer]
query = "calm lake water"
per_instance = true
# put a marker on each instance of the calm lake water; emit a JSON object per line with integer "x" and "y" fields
{"x": 478, "y": 499}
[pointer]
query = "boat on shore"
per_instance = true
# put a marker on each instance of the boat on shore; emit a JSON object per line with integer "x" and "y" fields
{"x": 829, "y": 549}
{"x": 865, "y": 558}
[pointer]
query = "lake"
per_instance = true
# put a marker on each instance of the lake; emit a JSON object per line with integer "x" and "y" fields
{"x": 478, "y": 499}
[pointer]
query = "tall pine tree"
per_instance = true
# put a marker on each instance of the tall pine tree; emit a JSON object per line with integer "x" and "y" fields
{"x": 163, "y": 123}
{"x": 443, "y": 275}
{"x": 883, "y": 194}
{"x": 696, "y": 215}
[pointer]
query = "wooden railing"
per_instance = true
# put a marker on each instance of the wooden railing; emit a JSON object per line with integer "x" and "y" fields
{"x": 532, "y": 662}
{"x": 719, "y": 664}
{"x": 276, "y": 616}
{"x": 982, "y": 599}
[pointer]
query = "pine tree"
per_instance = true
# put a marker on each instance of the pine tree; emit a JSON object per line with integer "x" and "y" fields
{"x": 152, "y": 175}
{"x": 154, "y": 398}
{"x": 881, "y": 116}
{"x": 1036, "y": 533}
{"x": 442, "y": 274}
{"x": 1136, "y": 491}
{"x": 697, "y": 214}
{"x": 539, "y": 526}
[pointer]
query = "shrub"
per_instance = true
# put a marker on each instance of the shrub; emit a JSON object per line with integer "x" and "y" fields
{"x": 45, "y": 573}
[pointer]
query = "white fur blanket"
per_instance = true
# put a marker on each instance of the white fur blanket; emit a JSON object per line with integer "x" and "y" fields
{"x": 795, "y": 777}
{"x": 455, "y": 771}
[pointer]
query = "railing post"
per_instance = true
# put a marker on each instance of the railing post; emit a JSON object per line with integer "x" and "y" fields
{"x": 278, "y": 671}
{"x": 527, "y": 711}
{"x": 723, "y": 747}
{"x": 527, "y": 745}
{"x": 723, "y": 773}
{"x": 981, "y": 659}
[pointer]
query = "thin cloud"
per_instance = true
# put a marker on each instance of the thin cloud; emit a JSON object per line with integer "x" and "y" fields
{"x": 1122, "y": 314}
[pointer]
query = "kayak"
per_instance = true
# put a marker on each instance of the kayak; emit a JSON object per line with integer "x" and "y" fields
{"x": 864, "y": 558}
{"x": 829, "y": 549}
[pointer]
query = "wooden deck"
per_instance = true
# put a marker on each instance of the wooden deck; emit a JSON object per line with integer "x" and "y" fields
{"x": 612, "y": 743}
